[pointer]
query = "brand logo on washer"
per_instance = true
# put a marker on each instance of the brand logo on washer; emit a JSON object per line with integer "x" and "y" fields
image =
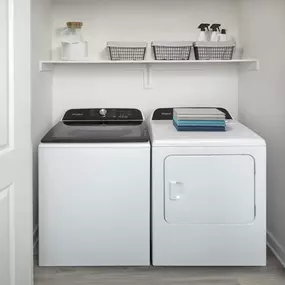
{"x": 166, "y": 114}
{"x": 77, "y": 114}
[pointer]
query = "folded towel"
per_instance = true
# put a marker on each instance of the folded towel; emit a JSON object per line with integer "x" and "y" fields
{"x": 198, "y": 112}
{"x": 199, "y": 118}
{"x": 198, "y": 128}
{"x": 219, "y": 123}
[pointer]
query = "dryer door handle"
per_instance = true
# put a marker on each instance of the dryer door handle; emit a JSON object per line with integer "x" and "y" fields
{"x": 175, "y": 190}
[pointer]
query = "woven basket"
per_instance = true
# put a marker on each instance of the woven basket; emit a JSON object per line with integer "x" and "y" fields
{"x": 127, "y": 50}
{"x": 172, "y": 50}
{"x": 214, "y": 51}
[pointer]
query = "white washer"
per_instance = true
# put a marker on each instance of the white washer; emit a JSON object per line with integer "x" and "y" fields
{"x": 94, "y": 190}
{"x": 208, "y": 195}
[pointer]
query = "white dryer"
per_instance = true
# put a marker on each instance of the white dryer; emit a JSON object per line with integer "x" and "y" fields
{"x": 94, "y": 190}
{"x": 208, "y": 195}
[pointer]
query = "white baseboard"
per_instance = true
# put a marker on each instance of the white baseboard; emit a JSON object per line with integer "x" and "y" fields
{"x": 276, "y": 248}
{"x": 35, "y": 238}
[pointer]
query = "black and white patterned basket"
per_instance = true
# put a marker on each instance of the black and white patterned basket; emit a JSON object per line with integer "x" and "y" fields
{"x": 214, "y": 51}
{"x": 127, "y": 50}
{"x": 172, "y": 50}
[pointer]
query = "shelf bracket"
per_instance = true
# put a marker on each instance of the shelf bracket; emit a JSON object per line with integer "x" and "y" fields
{"x": 147, "y": 77}
{"x": 257, "y": 65}
{"x": 45, "y": 67}
{"x": 250, "y": 66}
{"x": 254, "y": 66}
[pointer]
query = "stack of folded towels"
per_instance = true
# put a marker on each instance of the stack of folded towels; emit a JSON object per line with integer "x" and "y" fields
{"x": 199, "y": 120}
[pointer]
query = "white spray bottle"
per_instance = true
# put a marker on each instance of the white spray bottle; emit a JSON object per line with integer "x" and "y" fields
{"x": 203, "y": 37}
{"x": 215, "y": 32}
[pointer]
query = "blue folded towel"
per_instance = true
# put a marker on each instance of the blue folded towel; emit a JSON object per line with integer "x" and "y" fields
{"x": 200, "y": 123}
{"x": 199, "y": 128}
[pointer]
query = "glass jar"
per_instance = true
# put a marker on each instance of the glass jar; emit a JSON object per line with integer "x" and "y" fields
{"x": 73, "y": 34}
{"x": 73, "y": 46}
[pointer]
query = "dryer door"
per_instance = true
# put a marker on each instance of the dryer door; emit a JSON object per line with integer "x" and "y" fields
{"x": 213, "y": 189}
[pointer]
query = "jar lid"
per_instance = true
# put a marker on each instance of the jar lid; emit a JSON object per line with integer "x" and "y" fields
{"x": 74, "y": 25}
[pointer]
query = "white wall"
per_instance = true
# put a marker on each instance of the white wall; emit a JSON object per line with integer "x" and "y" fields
{"x": 41, "y": 85}
{"x": 103, "y": 86}
{"x": 136, "y": 20}
{"x": 262, "y": 101}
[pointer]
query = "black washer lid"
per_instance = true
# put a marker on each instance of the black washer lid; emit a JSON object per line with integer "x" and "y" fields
{"x": 99, "y": 126}
{"x": 167, "y": 113}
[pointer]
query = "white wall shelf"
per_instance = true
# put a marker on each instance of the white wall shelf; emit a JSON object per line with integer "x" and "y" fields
{"x": 250, "y": 64}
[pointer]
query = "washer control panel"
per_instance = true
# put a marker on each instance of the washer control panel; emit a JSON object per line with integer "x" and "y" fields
{"x": 103, "y": 114}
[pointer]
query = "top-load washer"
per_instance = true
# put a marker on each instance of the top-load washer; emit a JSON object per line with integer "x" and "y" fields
{"x": 94, "y": 190}
{"x": 208, "y": 195}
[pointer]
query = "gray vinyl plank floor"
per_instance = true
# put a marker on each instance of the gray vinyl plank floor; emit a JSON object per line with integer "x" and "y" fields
{"x": 273, "y": 274}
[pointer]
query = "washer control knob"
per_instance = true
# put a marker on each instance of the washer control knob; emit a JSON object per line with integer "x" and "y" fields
{"x": 103, "y": 112}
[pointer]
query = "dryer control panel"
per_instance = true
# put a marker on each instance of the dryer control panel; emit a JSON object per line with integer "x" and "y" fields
{"x": 167, "y": 113}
